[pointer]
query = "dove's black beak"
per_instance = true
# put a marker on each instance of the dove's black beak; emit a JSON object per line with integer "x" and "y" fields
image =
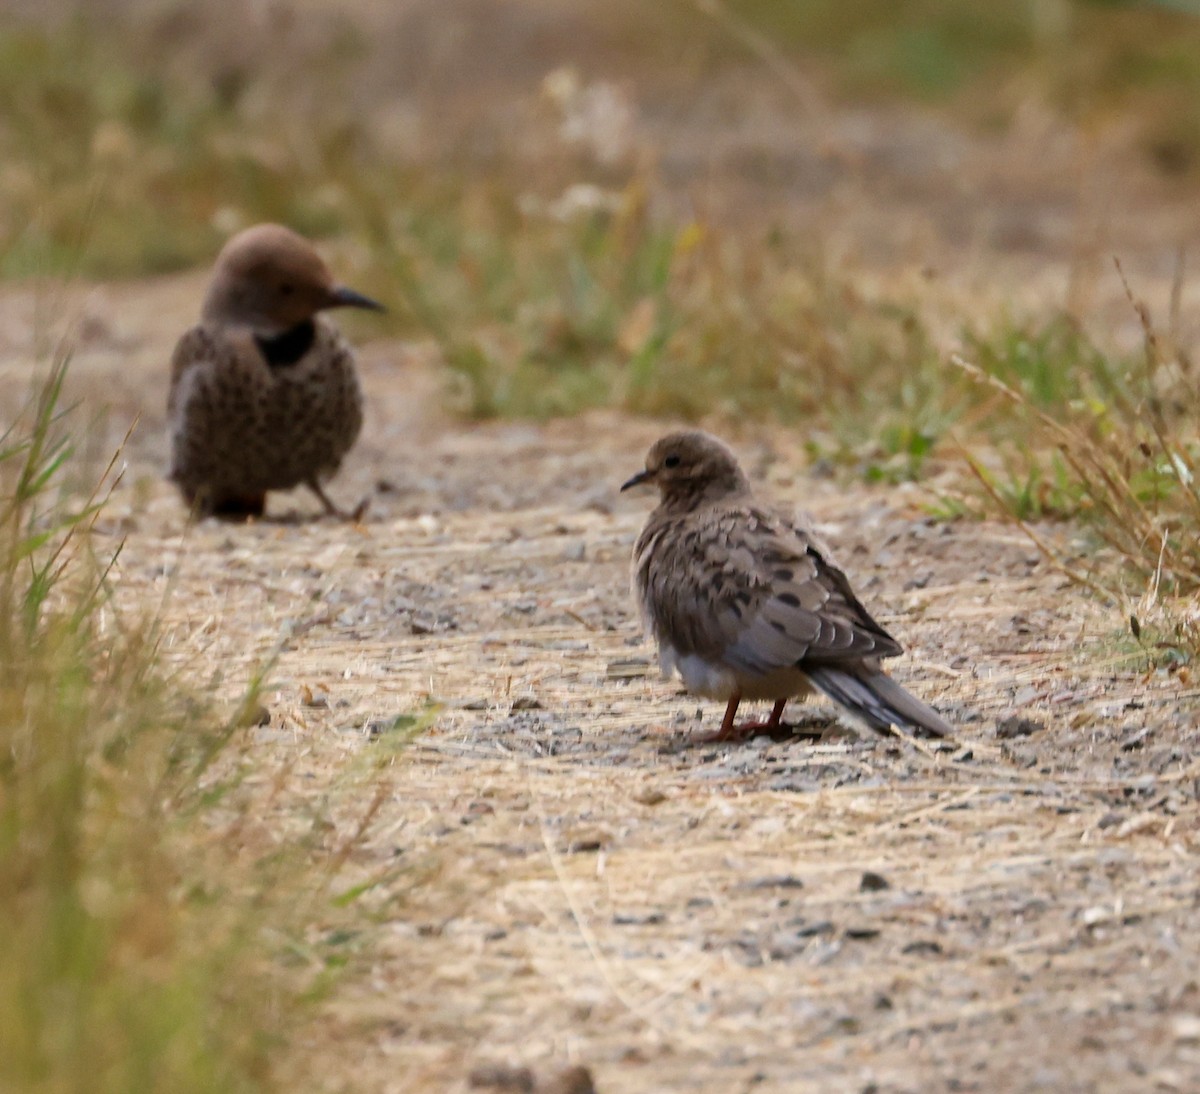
{"x": 637, "y": 480}
{"x": 342, "y": 297}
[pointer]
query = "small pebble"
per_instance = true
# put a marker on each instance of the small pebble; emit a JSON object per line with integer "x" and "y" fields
{"x": 636, "y": 919}
{"x": 586, "y": 842}
{"x": 923, "y": 947}
{"x": 498, "y": 1077}
{"x": 1015, "y": 725}
{"x": 862, "y": 933}
{"x": 780, "y": 881}
{"x": 575, "y": 1080}
{"x": 1185, "y": 1028}
{"x": 630, "y": 668}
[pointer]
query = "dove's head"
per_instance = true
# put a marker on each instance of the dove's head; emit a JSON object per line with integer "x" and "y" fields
{"x": 270, "y": 279}
{"x": 690, "y": 467}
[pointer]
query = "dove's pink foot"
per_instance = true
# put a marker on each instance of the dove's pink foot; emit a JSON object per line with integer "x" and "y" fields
{"x": 730, "y": 732}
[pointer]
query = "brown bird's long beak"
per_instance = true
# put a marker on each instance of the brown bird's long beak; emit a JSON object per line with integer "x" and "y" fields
{"x": 637, "y": 480}
{"x": 342, "y": 297}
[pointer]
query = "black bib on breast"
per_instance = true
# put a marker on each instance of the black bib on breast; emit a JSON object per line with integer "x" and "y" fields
{"x": 287, "y": 348}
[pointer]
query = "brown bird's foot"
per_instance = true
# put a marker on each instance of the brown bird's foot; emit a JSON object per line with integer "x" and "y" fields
{"x": 353, "y": 516}
{"x": 241, "y": 508}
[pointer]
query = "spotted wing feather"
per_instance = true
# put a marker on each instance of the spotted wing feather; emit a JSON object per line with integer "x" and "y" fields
{"x": 239, "y": 426}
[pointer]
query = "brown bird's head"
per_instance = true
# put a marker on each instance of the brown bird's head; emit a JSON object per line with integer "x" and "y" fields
{"x": 270, "y": 279}
{"x": 689, "y": 467}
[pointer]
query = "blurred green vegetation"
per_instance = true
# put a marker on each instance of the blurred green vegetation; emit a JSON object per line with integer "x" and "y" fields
{"x": 112, "y": 167}
{"x": 1118, "y": 451}
{"x": 126, "y": 149}
{"x": 148, "y": 944}
{"x": 103, "y": 985}
{"x": 539, "y": 316}
{"x": 1080, "y": 55}
{"x": 135, "y": 948}
{"x": 568, "y": 288}
{"x": 925, "y": 48}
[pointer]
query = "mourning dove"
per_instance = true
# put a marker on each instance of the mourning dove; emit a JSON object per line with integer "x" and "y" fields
{"x": 264, "y": 394}
{"x": 744, "y": 603}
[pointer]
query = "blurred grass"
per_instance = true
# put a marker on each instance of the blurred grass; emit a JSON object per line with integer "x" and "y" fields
{"x": 146, "y": 940}
{"x": 551, "y": 293}
{"x": 923, "y": 48}
{"x": 1085, "y": 57}
{"x": 1120, "y": 456}
{"x": 131, "y": 143}
{"x": 114, "y": 168}
{"x": 540, "y": 314}
{"x": 135, "y": 953}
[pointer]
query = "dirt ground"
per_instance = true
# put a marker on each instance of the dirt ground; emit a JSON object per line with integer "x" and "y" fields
{"x": 561, "y": 872}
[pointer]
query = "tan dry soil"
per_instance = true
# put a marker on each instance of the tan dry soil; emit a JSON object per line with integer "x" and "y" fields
{"x": 563, "y": 873}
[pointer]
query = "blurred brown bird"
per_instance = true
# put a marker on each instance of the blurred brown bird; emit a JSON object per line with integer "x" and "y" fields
{"x": 743, "y": 602}
{"x": 264, "y": 394}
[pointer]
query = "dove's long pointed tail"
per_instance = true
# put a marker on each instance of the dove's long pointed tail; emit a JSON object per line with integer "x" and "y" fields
{"x": 878, "y": 700}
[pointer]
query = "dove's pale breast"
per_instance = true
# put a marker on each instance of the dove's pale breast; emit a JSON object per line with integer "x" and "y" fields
{"x": 241, "y": 426}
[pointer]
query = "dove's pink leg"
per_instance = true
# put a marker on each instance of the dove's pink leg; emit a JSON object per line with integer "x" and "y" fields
{"x": 730, "y": 732}
{"x": 727, "y": 732}
{"x": 747, "y": 729}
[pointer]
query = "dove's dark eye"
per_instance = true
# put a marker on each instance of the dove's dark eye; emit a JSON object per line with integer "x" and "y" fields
{"x": 287, "y": 288}
{"x": 671, "y": 461}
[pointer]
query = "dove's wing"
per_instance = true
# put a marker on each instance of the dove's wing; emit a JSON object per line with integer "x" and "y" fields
{"x": 745, "y": 588}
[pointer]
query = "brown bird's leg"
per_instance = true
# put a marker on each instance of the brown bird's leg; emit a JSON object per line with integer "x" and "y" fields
{"x": 355, "y": 514}
{"x": 776, "y": 714}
